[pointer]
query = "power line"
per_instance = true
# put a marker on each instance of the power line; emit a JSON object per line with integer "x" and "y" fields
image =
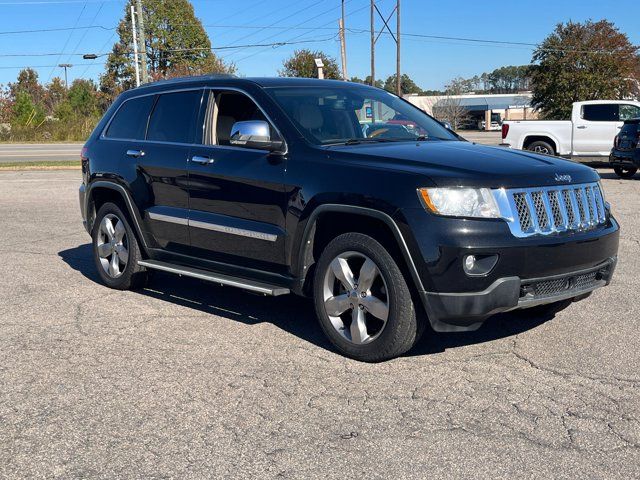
{"x": 61, "y": 29}
{"x": 68, "y": 39}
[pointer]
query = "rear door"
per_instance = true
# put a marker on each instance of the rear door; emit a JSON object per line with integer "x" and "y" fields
{"x": 595, "y": 129}
{"x": 236, "y": 194}
{"x": 162, "y": 167}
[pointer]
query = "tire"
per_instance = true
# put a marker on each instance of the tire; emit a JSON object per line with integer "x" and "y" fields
{"x": 116, "y": 251}
{"x": 625, "y": 172}
{"x": 385, "y": 311}
{"x": 542, "y": 147}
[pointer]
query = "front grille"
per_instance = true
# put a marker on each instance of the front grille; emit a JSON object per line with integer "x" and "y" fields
{"x": 547, "y": 210}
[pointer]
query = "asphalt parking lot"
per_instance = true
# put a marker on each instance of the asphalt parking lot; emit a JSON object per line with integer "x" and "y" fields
{"x": 189, "y": 380}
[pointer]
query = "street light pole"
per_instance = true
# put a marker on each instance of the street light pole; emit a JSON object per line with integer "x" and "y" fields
{"x": 135, "y": 45}
{"x": 65, "y": 66}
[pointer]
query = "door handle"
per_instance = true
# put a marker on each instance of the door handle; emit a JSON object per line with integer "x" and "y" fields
{"x": 135, "y": 153}
{"x": 202, "y": 160}
{"x": 581, "y": 127}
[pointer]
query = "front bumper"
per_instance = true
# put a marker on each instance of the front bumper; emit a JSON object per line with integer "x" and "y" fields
{"x": 529, "y": 271}
{"x": 466, "y": 311}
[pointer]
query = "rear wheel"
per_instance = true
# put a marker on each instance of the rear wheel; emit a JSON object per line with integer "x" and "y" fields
{"x": 541, "y": 147}
{"x": 625, "y": 172}
{"x": 362, "y": 300}
{"x": 115, "y": 250}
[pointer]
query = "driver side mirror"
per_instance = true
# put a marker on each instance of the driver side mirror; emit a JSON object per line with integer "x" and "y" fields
{"x": 254, "y": 134}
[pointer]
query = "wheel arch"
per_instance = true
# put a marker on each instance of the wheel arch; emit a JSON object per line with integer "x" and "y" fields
{"x": 529, "y": 139}
{"x": 102, "y": 191}
{"x": 330, "y": 220}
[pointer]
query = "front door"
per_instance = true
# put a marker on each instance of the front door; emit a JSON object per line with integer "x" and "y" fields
{"x": 236, "y": 195}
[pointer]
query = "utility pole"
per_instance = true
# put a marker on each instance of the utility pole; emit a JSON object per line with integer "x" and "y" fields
{"x": 135, "y": 45}
{"x": 398, "y": 76}
{"x": 373, "y": 43}
{"x": 343, "y": 46}
{"x": 143, "y": 43}
{"x": 396, "y": 38}
{"x": 65, "y": 66}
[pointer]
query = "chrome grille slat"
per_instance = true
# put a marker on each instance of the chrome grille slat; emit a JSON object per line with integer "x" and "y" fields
{"x": 547, "y": 210}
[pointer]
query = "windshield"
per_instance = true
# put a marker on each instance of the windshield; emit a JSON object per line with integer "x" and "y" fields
{"x": 356, "y": 114}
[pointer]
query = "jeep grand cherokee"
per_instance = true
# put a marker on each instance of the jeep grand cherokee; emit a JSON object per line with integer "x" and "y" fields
{"x": 279, "y": 186}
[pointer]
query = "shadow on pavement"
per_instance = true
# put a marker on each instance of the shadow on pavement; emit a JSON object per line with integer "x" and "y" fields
{"x": 612, "y": 176}
{"x": 291, "y": 313}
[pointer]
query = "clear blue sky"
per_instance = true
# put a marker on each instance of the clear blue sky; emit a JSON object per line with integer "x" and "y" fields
{"x": 431, "y": 63}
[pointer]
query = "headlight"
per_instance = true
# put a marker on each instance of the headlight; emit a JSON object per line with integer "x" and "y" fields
{"x": 460, "y": 202}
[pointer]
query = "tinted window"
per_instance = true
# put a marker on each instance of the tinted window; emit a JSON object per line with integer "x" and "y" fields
{"x": 174, "y": 117}
{"x": 629, "y": 111}
{"x": 130, "y": 121}
{"x": 600, "y": 113}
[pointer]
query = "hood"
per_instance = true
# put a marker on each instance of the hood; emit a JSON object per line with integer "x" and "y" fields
{"x": 458, "y": 163}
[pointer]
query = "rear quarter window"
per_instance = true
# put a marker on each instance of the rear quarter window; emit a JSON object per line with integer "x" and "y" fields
{"x": 130, "y": 121}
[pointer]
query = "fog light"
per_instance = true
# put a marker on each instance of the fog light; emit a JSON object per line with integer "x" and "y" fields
{"x": 479, "y": 265}
{"x": 469, "y": 263}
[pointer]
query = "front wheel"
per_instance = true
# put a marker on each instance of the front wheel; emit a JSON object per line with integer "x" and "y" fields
{"x": 362, "y": 300}
{"x": 625, "y": 172}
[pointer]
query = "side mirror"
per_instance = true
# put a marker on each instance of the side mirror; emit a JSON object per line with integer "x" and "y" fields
{"x": 253, "y": 134}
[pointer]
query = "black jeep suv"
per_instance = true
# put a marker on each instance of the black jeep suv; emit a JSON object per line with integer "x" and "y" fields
{"x": 278, "y": 186}
{"x": 625, "y": 155}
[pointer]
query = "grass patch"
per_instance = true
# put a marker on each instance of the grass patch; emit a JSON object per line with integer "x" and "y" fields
{"x": 52, "y": 165}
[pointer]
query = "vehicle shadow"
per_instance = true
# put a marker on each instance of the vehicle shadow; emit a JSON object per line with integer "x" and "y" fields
{"x": 293, "y": 314}
{"x": 613, "y": 176}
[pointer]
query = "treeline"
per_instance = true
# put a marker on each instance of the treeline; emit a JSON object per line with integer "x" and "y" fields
{"x": 31, "y": 111}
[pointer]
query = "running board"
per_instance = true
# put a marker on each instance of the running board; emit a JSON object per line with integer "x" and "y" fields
{"x": 219, "y": 278}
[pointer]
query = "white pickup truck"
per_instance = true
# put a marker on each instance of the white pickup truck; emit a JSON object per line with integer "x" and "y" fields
{"x": 589, "y": 133}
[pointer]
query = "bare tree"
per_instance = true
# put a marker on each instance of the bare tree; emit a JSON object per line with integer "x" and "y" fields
{"x": 449, "y": 109}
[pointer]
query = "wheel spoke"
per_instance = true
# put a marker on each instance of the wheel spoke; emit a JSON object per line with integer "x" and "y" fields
{"x": 107, "y": 227}
{"x": 368, "y": 273}
{"x": 123, "y": 253}
{"x": 343, "y": 273}
{"x": 104, "y": 250}
{"x": 376, "y": 307}
{"x": 114, "y": 266}
{"x": 119, "y": 231}
{"x": 358, "y": 327}
{"x": 336, "y": 305}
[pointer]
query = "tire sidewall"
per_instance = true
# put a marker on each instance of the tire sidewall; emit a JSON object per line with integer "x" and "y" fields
{"x": 542, "y": 144}
{"x": 397, "y": 294}
{"x": 125, "y": 280}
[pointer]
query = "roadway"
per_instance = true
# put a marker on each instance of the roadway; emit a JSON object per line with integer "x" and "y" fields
{"x": 39, "y": 152}
{"x": 185, "y": 379}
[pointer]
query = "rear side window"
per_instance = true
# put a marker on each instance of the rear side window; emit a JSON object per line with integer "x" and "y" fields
{"x": 130, "y": 121}
{"x": 601, "y": 112}
{"x": 174, "y": 117}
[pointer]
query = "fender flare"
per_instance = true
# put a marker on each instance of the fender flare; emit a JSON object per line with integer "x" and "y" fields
{"x": 133, "y": 213}
{"x": 305, "y": 243}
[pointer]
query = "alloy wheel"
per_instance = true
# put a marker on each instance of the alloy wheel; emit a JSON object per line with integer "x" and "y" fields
{"x": 112, "y": 245}
{"x": 355, "y": 297}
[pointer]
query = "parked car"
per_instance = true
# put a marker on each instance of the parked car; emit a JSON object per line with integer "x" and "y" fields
{"x": 625, "y": 155}
{"x": 270, "y": 185}
{"x": 589, "y": 133}
{"x": 388, "y": 130}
